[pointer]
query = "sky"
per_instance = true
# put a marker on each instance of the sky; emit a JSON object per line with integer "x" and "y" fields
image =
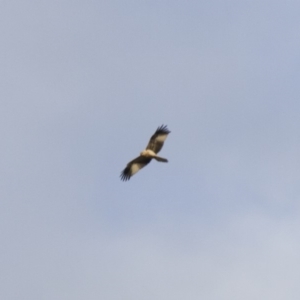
{"x": 83, "y": 86}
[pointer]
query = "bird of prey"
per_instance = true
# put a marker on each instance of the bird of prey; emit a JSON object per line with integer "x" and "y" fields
{"x": 154, "y": 146}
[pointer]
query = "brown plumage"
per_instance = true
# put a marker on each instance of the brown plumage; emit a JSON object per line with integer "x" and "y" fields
{"x": 154, "y": 146}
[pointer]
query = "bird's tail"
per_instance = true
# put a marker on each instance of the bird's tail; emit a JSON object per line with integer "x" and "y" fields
{"x": 161, "y": 159}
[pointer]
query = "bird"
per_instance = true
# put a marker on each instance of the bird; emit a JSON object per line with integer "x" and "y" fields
{"x": 155, "y": 144}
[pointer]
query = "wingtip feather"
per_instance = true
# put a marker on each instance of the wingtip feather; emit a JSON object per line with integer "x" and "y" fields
{"x": 163, "y": 129}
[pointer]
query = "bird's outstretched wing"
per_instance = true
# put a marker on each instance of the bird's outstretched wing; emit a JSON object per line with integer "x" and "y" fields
{"x": 134, "y": 166}
{"x": 157, "y": 139}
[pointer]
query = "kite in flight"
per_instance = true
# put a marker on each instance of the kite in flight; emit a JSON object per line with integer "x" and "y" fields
{"x": 154, "y": 146}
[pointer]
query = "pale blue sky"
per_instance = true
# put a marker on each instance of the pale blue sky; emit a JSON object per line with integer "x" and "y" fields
{"x": 84, "y": 84}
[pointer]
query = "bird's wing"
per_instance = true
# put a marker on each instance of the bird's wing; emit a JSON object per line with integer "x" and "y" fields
{"x": 134, "y": 166}
{"x": 157, "y": 139}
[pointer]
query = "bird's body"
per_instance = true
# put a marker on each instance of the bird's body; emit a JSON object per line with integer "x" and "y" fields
{"x": 154, "y": 146}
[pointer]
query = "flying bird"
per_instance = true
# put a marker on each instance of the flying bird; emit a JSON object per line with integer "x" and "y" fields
{"x": 154, "y": 146}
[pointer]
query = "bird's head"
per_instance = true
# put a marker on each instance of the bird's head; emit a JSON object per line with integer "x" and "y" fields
{"x": 144, "y": 153}
{"x": 147, "y": 153}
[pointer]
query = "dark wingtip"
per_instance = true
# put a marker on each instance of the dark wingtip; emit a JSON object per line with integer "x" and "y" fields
{"x": 125, "y": 176}
{"x": 163, "y": 129}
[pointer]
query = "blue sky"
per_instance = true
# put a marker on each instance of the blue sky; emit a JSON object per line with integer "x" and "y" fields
{"x": 84, "y": 84}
